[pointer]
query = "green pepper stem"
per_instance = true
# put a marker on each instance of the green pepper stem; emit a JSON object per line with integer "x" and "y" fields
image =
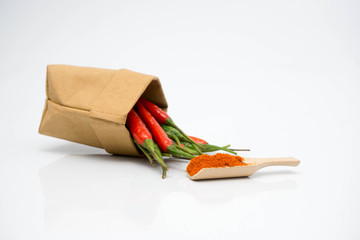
{"x": 149, "y": 145}
{"x": 211, "y": 148}
{"x": 197, "y": 149}
{"x": 227, "y": 150}
{"x": 173, "y": 150}
{"x": 176, "y": 139}
{"x": 238, "y": 149}
{"x": 163, "y": 172}
{"x": 157, "y": 150}
{"x": 159, "y": 159}
{"x": 171, "y": 123}
{"x": 186, "y": 149}
{"x": 145, "y": 153}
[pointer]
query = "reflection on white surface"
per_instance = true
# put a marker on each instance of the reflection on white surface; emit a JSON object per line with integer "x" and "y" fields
{"x": 107, "y": 193}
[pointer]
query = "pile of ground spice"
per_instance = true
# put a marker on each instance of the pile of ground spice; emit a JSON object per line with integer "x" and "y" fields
{"x": 214, "y": 161}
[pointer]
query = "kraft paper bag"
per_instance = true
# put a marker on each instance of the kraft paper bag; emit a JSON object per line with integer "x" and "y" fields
{"x": 90, "y": 105}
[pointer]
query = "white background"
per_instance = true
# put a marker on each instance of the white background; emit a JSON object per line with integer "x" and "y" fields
{"x": 279, "y": 77}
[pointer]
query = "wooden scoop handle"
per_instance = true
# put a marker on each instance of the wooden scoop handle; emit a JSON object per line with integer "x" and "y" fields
{"x": 266, "y": 162}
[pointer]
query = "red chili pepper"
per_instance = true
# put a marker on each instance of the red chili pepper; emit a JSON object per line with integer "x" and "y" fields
{"x": 198, "y": 140}
{"x": 162, "y": 117}
{"x": 143, "y": 137}
{"x": 155, "y": 111}
{"x": 165, "y": 143}
{"x": 138, "y": 129}
{"x": 159, "y": 135}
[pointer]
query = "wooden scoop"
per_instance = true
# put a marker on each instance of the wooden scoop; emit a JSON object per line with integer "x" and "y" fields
{"x": 254, "y": 164}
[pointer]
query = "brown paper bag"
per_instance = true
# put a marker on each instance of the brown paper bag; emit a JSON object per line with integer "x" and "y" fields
{"x": 90, "y": 105}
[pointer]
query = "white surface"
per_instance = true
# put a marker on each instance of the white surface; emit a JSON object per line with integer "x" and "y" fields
{"x": 281, "y": 78}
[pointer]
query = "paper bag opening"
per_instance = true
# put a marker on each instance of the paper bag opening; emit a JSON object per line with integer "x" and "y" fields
{"x": 90, "y": 105}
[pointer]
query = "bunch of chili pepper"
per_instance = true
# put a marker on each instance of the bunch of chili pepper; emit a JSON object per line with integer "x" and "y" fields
{"x": 156, "y": 135}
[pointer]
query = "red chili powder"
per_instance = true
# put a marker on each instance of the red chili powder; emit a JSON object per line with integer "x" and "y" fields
{"x": 214, "y": 161}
